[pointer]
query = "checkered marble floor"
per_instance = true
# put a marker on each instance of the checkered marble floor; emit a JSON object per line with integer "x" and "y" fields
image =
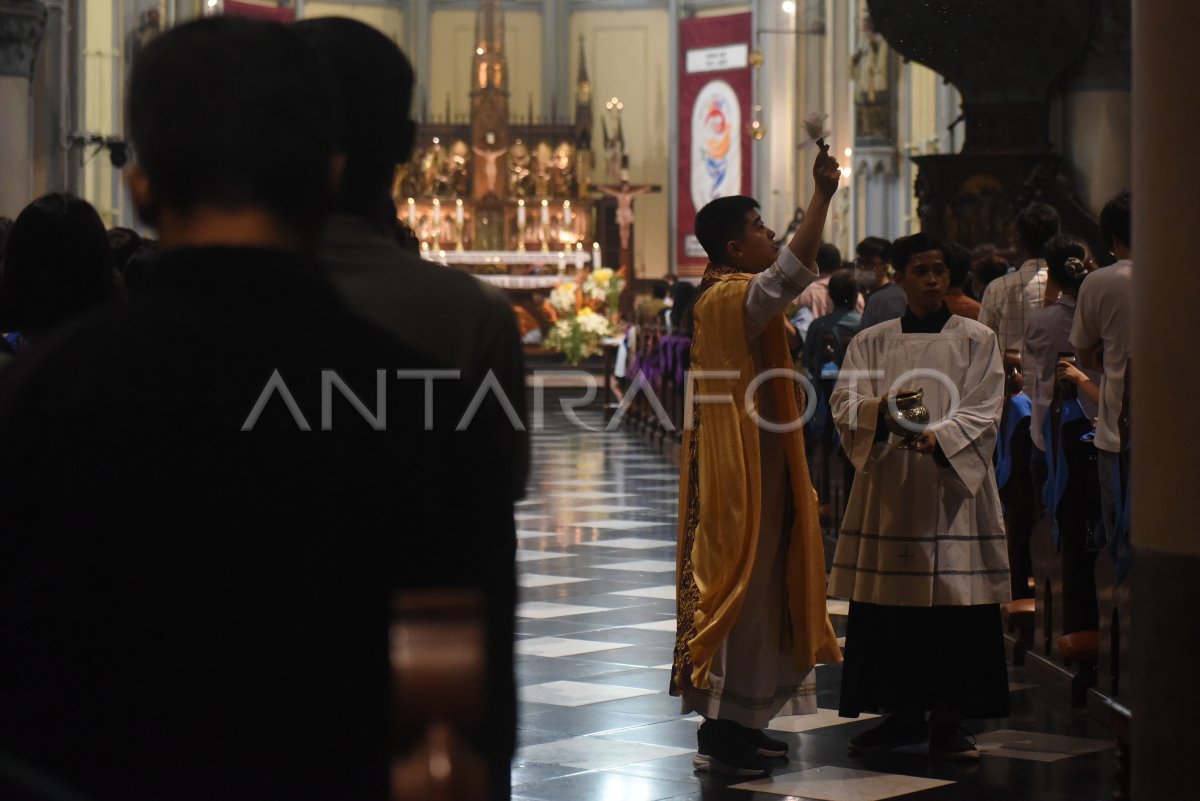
{"x": 595, "y": 633}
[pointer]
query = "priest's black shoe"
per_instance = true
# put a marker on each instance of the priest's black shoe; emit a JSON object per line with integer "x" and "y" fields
{"x": 721, "y": 748}
{"x": 766, "y": 746}
{"x": 894, "y": 732}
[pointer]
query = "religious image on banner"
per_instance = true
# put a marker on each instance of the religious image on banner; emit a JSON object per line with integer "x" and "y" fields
{"x": 716, "y": 144}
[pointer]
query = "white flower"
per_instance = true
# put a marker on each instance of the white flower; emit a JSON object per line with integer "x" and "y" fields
{"x": 562, "y": 298}
{"x": 814, "y": 127}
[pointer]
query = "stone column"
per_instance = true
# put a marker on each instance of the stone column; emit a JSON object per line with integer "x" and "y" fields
{"x": 22, "y": 23}
{"x": 1166, "y": 379}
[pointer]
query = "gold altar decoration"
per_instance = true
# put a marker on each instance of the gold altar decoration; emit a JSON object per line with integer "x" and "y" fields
{"x": 493, "y": 182}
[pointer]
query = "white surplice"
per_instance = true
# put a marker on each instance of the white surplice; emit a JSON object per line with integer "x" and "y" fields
{"x": 916, "y": 533}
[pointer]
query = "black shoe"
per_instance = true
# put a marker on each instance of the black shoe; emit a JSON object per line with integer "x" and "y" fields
{"x": 766, "y": 746}
{"x": 722, "y": 749}
{"x": 952, "y": 742}
{"x": 892, "y": 733}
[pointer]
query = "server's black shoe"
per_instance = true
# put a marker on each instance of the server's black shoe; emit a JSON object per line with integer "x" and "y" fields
{"x": 892, "y": 733}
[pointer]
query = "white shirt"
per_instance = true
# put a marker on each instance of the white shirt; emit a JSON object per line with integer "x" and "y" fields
{"x": 1048, "y": 333}
{"x": 916, "y": 533}
{"x": 1104, "y": 313}
{"x": 1008, "y": 300}
{"x": 773, "y": 289}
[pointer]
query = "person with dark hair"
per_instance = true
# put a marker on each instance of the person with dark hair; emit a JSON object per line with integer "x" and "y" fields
{"x": 986, "y": 266}
{"x": 922, "y": 554}
{"x": 679, "y": 317}
{"x": 958, "y": 262}
{"x": 391, "y": 286}
{"x": 6, "y": 224}
{"x": 123, "y": 241}
{"x": 829, "y": 336}
{"x": 885, "y": 300}
{"x": 140, "y": 264}
{"x": 222, "y": 632}
{"x": 388, "y": 284}
{"x": 58, "y": 265}
{"x": 815, "y": 301}
{"x": 1103, "y": 336}
{"x": 1048, "y": 333}
{"x": 1008, "y": 300}
{"x": 751, "y": 622}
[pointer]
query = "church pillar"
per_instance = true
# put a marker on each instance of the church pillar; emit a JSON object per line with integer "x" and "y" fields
{"x": 555, "y": 71}
{"x": 22, "y": 23}
{"x": 418, "y": 30}
{"x": 810, "y": 75}
{"x": 1166, "y": 560}
{"x": 775, "y": 162}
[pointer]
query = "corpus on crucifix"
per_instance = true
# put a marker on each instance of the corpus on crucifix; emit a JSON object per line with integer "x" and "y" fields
{"x": 625, "y": 193}
{"x": 490, "y": 170}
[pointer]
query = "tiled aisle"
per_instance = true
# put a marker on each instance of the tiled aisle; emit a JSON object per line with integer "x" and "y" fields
{"x": 594, "y": 636}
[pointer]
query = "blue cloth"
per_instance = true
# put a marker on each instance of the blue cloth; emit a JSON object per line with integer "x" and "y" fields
{"x": 1115, "y": 511}
{"x": 1057, "y": 474}
{"x": 1020, "y": 407}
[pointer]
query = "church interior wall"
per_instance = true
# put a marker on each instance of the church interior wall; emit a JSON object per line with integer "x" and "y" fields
{"x": 628, "y": 59}
{"x": 453, "y": 43}
{"x": 1097, "y": 133}
{"x": 385, "y": 17}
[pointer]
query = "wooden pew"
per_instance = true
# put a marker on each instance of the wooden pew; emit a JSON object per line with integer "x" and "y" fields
{"x": 439, "y": 680}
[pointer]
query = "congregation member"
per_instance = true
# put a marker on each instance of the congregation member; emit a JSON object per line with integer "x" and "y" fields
{"x": 922, "y": 554}
{"x": 833, "y": 330}
{"x": 1102, "y": 335}
{"x": 958, "y": 262}
{"x": 1008, "y": 300}
{"x": 752, "y": 621}
{"x": 885, "y": 299}
{"x": 986, "y": 266}
{"x": 388, "y": 284}
{"x": 58, "y": 265}
{"x": 815, "y": 301}
{"x": 1048, "y": 333}
{"x": 199, "y": 539}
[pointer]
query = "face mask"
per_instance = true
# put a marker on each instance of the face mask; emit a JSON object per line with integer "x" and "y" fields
{"x": 864, "y": 277}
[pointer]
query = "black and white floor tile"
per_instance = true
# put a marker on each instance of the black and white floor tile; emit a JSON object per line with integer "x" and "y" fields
{"x": 595, "y": 634}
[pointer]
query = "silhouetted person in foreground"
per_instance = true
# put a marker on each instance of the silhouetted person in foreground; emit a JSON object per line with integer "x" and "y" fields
{"x": 221, "y": 631}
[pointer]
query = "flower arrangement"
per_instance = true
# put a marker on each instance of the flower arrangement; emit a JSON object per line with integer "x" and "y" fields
{"x": 605, "y": 286}
{"x": 584, "y": 319}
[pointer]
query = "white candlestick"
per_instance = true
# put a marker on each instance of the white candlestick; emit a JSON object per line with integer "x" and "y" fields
{"x": 545, "y": 212}
{"x": 566, "y": 213}
{"x": 412, "y": 213}
{"x": 595, "y": 255}
{"x": 458, "y": 212}
{"x": 520, "y": 212}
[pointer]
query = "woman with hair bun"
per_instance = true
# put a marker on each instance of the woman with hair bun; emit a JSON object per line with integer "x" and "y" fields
{"x": 1048, "y": 333}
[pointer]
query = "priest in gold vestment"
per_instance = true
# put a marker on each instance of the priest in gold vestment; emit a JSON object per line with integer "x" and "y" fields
{"x": 752, "y": 621}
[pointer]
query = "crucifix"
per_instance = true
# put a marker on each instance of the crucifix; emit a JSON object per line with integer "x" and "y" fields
{"x": 625, "y": 193}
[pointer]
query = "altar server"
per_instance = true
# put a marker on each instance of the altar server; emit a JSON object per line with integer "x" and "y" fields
{"x": 922, "y": 553}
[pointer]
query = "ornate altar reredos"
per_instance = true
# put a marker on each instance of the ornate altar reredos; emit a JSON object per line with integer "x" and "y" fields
{"x": 499, "y": 184}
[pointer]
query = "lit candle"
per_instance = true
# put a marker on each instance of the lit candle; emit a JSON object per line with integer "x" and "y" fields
{"x": 412, "y": 213}
{"x": 566, "y": 213}
{"x": 545, "y": 212}
{"x": 520, "y": 212}
{"x": 458, "y": 211}
{"x": 437, "y": 211}
{"x": 595, "y": 255}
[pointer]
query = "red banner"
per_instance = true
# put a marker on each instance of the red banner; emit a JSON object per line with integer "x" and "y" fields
{"x": 715, "y": 107}
{"x": 271, "y": 12}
